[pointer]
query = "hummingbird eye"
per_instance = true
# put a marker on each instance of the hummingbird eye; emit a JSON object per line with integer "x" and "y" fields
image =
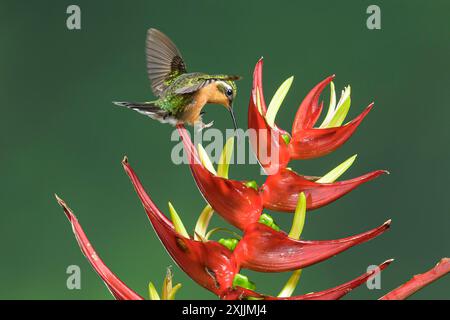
{"x": 229, "y": 92}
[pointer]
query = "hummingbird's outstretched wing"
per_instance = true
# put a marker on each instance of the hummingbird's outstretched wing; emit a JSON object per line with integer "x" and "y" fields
{"x": 164, "y": 61}
{"x": 196, "y": 83}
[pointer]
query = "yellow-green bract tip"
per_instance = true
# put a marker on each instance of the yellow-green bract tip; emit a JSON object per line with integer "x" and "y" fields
{"x": 174, "y": 291}
{"x": 331, "y": 106}
{"x": 167, "y": 284}
{"x": 342, "y": 109}
{"x": 204, "y": 158}
{"x": 299, "y": 217}
{"x": 277, "y": 100}
{"x": 336, "y": 115}
{"x": 291, "y": 284}
{"x": 177, "y": 223}
{"x": 296, "y": 230}
{"x": 334, "y": 174}
{"x": 225, "y": 158}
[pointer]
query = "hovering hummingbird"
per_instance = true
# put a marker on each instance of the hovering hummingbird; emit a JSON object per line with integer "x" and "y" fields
{"x": 181, "y": 95}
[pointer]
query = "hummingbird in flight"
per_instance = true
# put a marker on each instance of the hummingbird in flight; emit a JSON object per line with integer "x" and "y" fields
{"x": 181, "y": 95}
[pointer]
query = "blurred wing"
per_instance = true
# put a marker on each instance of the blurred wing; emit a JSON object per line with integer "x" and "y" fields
{"x": 164, "y": 61}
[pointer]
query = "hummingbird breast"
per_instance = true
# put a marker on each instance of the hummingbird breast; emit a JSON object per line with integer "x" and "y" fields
{"x": 191, "y": 113}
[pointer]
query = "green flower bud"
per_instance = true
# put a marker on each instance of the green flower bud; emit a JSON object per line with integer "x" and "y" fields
{"x": 252, "y": 184}
{"x": 242, "y": 281}
{"x": 229, "y": 243}
{"x": 268, "y": 221}
{"x": 286, "y": 138}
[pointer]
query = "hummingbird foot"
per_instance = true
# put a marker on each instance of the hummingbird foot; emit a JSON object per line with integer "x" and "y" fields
{"x": 200, "y": 126}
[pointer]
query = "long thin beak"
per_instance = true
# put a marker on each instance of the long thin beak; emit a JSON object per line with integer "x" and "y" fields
{"x": 233, "y": 117}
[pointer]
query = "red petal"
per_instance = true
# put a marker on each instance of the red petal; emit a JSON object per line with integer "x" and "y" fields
{"x": 257, "y": 83}
{"x": 208, "y": 263}
{"x": 280, "y": 192}
{"x": 419, "y": 281}
{"x": 330, "y": 294}
{"x": 267, "y": 142}
{"x": 264, "y": 249}
{"x": 311, "y": 143}
{"x": 118, "y": 289}
{"x": 232, "y": 200}
{"x": 309, "y": 110}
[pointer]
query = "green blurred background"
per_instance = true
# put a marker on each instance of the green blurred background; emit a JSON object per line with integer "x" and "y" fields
{"x": 60, "y": 133}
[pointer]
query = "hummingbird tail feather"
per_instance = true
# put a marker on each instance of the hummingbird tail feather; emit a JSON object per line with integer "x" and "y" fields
{"x": 149, "y": 109}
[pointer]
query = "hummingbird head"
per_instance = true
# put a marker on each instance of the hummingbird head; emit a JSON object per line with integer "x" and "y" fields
{"x": 228, "y": 91}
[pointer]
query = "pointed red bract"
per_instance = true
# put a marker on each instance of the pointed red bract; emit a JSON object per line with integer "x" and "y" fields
{"x": 209, "y": 263}
{"x": 314, "y": 142}
{"x": 267, "y": 142}
{"x": 237, "y": 203}
{"x": 118, "y": 289}
{"x": 329, "y": 294}
{"x": 309, "y": 110}
{"x": 280, "y": 191}
{"x": 419, "y": 281}
{"x": 264, "y": 249}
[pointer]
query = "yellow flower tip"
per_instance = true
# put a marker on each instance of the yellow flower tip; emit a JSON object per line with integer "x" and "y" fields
{"x": 202, "y": 223}
{"x": 331, "y": 106}
{"x": 177, "y": 223}
{"x": 299, "y": 217}
{"x": 334, "y": 174}
{"x": 153, "y": 294}
{"x": 336, "y": 113}
{"x": 291, "y": 284}
{"x": 204, "y": 158}
{"x": 277, "y": 100}
{"x": 225, "y": 158}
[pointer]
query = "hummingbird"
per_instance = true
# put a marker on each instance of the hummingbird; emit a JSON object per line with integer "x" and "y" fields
{"x": 181, "y": 95}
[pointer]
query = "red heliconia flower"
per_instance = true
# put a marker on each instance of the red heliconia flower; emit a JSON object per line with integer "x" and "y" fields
{"x": 280, "y": 191}
{"x": 263, "y": 247}
{"x": 241, "y": 203}
{"x": 306, "y": 141}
